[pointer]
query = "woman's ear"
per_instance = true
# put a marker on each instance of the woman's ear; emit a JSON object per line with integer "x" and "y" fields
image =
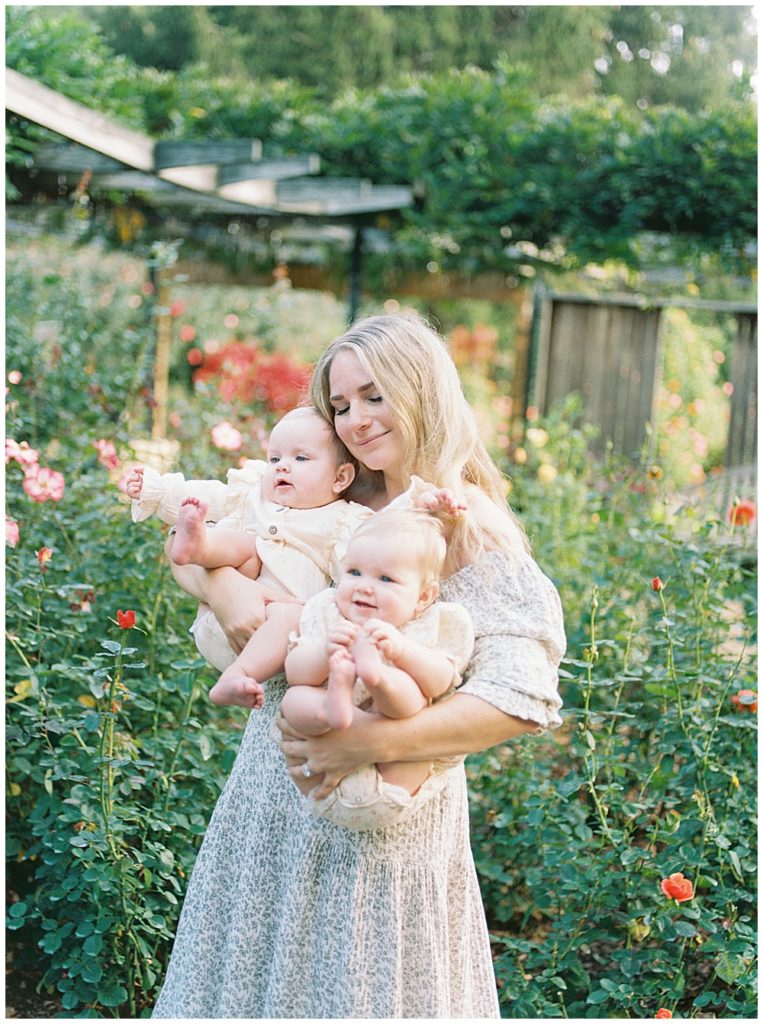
{"x": 428, "y": 596}
{"x": 345, "y": 474}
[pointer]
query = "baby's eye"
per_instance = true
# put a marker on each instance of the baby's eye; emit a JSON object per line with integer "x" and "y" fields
{"x": 353, "y": 572}
{"x": 301, "y": 458}
{"x": 386, "y": 579}
{"x": 273, "y": 458}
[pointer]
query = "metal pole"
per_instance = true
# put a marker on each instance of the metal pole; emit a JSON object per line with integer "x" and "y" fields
{"x": 356, "y": 273}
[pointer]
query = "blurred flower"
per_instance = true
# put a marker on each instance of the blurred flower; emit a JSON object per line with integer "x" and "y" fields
{"x": 147, "y": 288}
{"x": 547, "y": 473}
{"x": 14, "y": 377}
{"x": 745, "y": 700}
{"x": 231, "y": 320}
{"x": 742, "y": 513}
{"x": 85, "y": 602}
{"x": 134, "y": 301}
{"x": 226, "y": 437}
{"x": 44, "y": 555}
{"x": 187, "y": 333}
{"x": 536, "y": 436}
{"x": 11, "y": 532}
{"x": 125, "y": 620}
{"x": 175, "y": 419}
{"x": 657, "y": 584}
{"x": 654, "y": 473}
{"x": 727, "y": 388}
{"x": 107, "y": 454}
{"x": 677, "y": 888}
{"x": 43, "y": 484}
{"x": 195, "y": 357}
{"x": 663, "y": 1014}
{"x": 520, "y": 456}
{"x": 177, "y": 309}
{"x": 22, "y": 453}
{"x": 245, "y": 374}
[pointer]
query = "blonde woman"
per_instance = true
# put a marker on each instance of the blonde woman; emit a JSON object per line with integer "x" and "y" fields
{"x": 289, "y": 915}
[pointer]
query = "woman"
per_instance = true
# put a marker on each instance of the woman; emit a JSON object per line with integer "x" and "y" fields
{"x": 288, "y": 915}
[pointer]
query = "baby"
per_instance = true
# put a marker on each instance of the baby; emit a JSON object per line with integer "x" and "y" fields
{"x": 282, "y": 522}
{"x": 378, "y": 643}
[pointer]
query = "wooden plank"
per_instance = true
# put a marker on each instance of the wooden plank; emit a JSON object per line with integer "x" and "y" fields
{"x": 540, "y": 369}
{"x": 188, "y": 152}
{"x": 741, "y": 446}
{"x": 294, "y": 167}
{"x": 43, "y": 106}
{"x": 656, "y": 302}
{"x": 73, "y": 159}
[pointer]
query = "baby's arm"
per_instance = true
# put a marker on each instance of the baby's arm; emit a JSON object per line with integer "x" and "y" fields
{"x": 413, "y": 666}
{"x": 134, "y": 483}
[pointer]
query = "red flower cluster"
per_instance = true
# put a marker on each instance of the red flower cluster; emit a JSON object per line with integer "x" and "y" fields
{"x": 677, "y": 888}
{"x": 244, "y": 373}
{"x": 125, "y": 620}
{"x": 745, "y": 700}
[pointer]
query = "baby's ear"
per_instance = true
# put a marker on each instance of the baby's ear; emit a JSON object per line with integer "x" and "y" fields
{"x": 345, "y": 474}
{"x": 428, "y": 596}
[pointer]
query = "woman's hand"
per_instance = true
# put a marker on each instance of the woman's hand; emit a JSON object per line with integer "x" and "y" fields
{"x": 330, "y": 756}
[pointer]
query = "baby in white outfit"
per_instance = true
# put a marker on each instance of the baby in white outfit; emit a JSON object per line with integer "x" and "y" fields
{"x": 379, "y": 643}
{"x": 282, "y": 522}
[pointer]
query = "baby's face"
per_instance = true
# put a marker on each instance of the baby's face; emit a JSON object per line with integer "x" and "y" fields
{"x": 381, "y": 579}
{"x": 302, "y": 465}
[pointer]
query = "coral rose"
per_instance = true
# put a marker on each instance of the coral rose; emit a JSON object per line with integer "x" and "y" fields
{"x": 742, "y": 513}
{"x": 44, "y": 555}
{"x": 663, "y": 1014}
{"x": 677, "y": 888}
{"x": 745, "y": 700}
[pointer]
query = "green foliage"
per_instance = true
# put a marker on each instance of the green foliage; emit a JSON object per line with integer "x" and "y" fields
{"x": 653, "y": 772}
{"x": 508, "y": 182}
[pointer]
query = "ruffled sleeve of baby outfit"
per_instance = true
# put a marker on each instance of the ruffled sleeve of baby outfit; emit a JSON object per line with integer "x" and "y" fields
{"x": 519, "y": 636}
{"x": 319, "y": 615}
{"x": 455, "y": 634}
{"x": 163, "y": 494}
{"x": 244, "y": 504}
{"x": 347, "y": 522}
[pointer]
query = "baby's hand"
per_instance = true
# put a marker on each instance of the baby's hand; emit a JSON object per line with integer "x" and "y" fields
{"x": 440, "y": 500}
{"x": 342, "y": 637}
{"x": 387, "y": 638}
{"x": 134, "y": 483}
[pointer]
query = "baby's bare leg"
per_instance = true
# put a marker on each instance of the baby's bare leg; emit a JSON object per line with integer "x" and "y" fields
{"x": 313, "y": 710}
{"x": 305, "y": 709}
{"x": 394, "y": 692}
{"x": 194, "y": 544}
{"x": 262, "y": 658}
{"x": 411, "y": 775}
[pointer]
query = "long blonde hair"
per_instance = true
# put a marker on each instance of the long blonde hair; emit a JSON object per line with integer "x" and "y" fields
{"x": 410, "y": 365}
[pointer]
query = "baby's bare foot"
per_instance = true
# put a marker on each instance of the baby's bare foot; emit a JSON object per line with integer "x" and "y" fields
{"x": 191, "y": 532}
{"x": 368, "y": 662}
{"x": 237, "y": 690}
{"x": 341, "y": 681}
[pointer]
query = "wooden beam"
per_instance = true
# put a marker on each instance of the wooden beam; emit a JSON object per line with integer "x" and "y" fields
{"x": 43, "y": 106}
{"x": 188, "y": 152}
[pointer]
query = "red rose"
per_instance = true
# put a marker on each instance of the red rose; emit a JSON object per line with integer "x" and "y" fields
{"x": 657, "y": 584}
{"x": 125, "y": 620}
{"x": 663, "y": 1014}
{"x": 677, "y": 888}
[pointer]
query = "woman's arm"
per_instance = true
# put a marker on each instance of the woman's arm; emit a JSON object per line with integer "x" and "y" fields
{"x": 464, "y": 724}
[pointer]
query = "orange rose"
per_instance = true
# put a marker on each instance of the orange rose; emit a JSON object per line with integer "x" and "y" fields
{"x": 677, "y": 888}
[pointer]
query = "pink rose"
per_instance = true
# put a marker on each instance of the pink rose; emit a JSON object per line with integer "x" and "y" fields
{"x": 22, "y": 453}
{"x": 107, "y": 454}
{"x": 11, "y": 532}
{"x": 43, "y": 484}
{"x": 226, "y": 437}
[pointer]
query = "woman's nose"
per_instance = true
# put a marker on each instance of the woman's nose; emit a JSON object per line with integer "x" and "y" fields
{"x": 358, "y": 416}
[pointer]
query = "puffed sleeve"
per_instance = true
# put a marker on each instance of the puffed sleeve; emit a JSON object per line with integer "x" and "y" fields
{"x": 318, "y": 616}
{"x": 346, "y": 524}
{"x": 519, "y": 636}
{"x": 455, "y": 634}
{"x": 162, "y": 495}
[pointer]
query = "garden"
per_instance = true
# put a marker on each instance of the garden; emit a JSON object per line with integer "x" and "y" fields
{"x": 616, "y": 856}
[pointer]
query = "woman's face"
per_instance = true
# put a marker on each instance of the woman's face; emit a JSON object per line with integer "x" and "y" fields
{"x": 362, "y": 419}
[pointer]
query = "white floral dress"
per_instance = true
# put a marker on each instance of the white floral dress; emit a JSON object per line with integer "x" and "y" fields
{"x": 289, "y": 915}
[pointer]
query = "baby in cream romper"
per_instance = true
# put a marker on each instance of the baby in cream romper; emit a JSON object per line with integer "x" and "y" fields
{"x": 382, "y": 644}
{"x": 282, "y": 522}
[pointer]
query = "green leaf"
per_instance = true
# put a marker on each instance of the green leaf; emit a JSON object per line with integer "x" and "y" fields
{"x": 729, "y": 968}
{"x": 17, "y": 909}
{"x": 205, "y": 746}
{"x": 93, "y": 945}
{"x": 598, "y": 996}
{"x": 114, "y": 995}
{"x": 685, "y": 929}
{"x": 111, "y": 646}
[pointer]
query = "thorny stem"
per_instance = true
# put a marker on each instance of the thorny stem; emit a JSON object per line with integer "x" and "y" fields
{"x": 592, "y": 654}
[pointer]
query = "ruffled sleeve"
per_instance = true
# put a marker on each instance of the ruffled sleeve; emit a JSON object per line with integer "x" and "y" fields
{"x": 519, "y": 636}
{"x": 318, "y": 617}
{"x": 455, "y": 634}
{"x": 162, "y": 496}
{"x": 346, "y": 524}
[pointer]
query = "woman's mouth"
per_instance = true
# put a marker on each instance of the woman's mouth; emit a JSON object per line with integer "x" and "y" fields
{"x": 370, "y": 440}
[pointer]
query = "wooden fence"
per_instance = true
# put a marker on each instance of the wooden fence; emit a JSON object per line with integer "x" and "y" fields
{"x": 609, "y": 350}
